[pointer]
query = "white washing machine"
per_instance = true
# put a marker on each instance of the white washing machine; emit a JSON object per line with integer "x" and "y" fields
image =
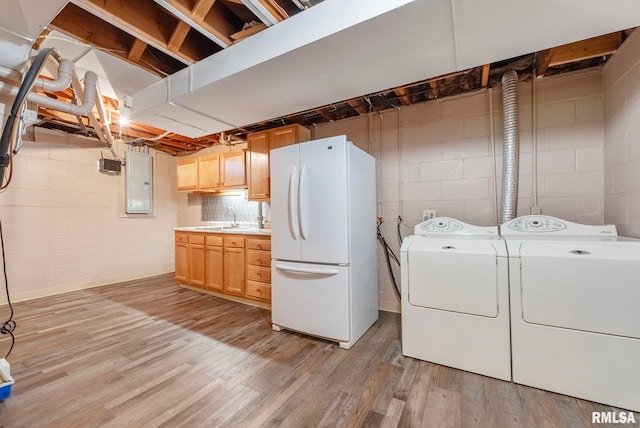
{"x": 575, "y": 309}
{"x": 455, "y": 301}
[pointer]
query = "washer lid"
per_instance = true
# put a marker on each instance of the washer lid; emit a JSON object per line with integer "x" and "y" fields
{"x": 457, "y": 275}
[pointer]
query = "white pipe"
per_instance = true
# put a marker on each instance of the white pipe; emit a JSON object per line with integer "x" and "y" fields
{"x": 90, "y": 81}
{"x": 63, "y": 81}
{"x": 65, "y": 70}
{"x": 401, "y": 208}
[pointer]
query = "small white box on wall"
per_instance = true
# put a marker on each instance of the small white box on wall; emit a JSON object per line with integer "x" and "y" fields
{"x": 139, "y": 182}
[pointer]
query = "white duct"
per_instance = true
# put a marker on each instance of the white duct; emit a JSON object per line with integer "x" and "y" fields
{"x": 65, "y": 71}
{"x": 511, "y": 151}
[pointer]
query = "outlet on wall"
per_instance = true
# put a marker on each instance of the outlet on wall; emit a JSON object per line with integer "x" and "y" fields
{"x": 427, "y": 214}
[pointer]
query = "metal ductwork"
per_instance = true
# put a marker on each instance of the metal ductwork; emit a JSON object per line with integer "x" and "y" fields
{"x": 511, "y": 150}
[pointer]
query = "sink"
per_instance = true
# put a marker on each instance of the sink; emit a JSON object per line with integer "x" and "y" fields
{"x": 209, "y": 227}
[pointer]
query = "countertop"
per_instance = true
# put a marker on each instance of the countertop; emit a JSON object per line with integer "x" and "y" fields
{"x": 230, "y": 230}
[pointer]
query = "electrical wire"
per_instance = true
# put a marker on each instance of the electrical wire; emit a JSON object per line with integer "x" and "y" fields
{"x": 389, "y": 255}
{"x": 9, "y": 325}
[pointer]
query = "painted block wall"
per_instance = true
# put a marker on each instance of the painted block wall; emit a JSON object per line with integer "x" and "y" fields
{"x": 64, "y": 222}
{"x": 444, "y": 158}
{"x": 621, "y": 77}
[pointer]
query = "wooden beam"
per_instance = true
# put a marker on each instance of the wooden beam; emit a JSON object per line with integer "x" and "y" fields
{"x": 403, "y": 95}
{"x": 137, "y": 49}
{"x": 585, "y": 49}
{"x": 434, "y": 88}
{"x": 322, "y": 113}
{"x": 177, "y": 37}
{"x": 357, "y": 105}
{"x": 82, "y": 25}
{"x": 217, "y": 19}
{"x": 142, "y": 18}
{"x": 543, "y": 59}
{"x": 484, "y": 77}
{"x": 201, "y": 9}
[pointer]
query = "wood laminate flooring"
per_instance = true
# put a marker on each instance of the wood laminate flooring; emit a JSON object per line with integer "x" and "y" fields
{"x": 148, "y": 353}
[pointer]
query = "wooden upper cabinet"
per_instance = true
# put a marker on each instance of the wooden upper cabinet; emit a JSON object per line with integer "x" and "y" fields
{"x": 258, "y": 171}
{"x": 188, "y": 174}
{"x": 288, "y": 135}
{"x": 259, "y": 145}
{"x": 209, "y": 172}
{"x": 232, "y": 170}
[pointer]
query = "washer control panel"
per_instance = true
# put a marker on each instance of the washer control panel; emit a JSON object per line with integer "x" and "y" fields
{"x": 447, "y": 225}
{"x": 440, "y": 224}
{"x": 537, "y": 224}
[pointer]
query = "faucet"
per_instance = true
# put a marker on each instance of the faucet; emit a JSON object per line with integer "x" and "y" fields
{"x": 235, "y": 223}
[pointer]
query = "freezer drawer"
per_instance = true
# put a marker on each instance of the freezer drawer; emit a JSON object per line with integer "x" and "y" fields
{"x": 312, "y": 299}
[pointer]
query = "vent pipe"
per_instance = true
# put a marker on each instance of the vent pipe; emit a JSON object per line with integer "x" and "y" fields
{"x": 511, "y": 151}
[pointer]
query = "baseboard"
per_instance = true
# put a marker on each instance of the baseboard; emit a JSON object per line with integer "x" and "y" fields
{"x": 389, "y": 306}
{"x": 66, "y": 288}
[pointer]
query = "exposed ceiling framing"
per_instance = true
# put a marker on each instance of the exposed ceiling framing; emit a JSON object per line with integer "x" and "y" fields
{"x": 165, "y": 36}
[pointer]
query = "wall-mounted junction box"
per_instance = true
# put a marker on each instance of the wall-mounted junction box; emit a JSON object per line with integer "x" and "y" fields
{"x": 427, "y": 214}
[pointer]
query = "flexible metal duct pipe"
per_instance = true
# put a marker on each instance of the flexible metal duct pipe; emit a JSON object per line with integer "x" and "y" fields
{"x": 511, "y": 149}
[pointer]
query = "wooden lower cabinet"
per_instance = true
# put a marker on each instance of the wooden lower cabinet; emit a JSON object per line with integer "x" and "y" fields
{"x": 238, "y": 265}
{"x": 214, "y": 262}
{"x": 259, "y": 269}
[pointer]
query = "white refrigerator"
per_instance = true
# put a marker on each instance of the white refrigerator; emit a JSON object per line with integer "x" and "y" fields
{"x": 323, "y": 239}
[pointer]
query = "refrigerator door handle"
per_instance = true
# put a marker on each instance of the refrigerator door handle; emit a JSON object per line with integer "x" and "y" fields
{"x": 301, "y": 206}
{"x": 306, "y": 271}
{"x": 291, "y": 203}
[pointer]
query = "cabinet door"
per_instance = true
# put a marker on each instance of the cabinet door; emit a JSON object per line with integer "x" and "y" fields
{"x": 214, "y": 268}
{"x": 209, "y": 172}
{"x": 232, "y": 169}
{"x": 196, "y": 265}
{"x": 182, "y": 262}
{"x": 285, "y": 136}
{"x": 188, "y": 174}
{"x": 234, "y": 266}
{"x": 258, "y": 174}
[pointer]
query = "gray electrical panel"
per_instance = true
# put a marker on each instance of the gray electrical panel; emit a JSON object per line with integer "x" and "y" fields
{"x": 139, "y": 182}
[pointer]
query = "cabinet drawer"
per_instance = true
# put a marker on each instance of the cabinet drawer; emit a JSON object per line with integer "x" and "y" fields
{"x": 259, "y": 273}
{"x": 214, "y": 240}
{"x": 259, "y": 258}
{"x": 182, "y": 237}
{"x": 259, "y": 244}
{"x": 258, "y": 290}
{"x": 234, "y": 241}
{"x": 196, "y": 238}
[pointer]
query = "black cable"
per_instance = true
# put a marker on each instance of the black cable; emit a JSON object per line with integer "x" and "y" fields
{"x": 389, "y": 254}
{"x": 26, "y": 86}
{"x": 398, "y": 230}
{"x": 9, "y": 325}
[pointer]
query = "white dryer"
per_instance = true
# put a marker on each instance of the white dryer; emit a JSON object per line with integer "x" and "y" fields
{"x": 575, "y": 309}
{"x": 455, "y": 301}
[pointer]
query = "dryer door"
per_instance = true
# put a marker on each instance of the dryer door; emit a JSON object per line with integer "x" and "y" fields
{"x": 455, "y": 275}
{"x": 582, "y": 285}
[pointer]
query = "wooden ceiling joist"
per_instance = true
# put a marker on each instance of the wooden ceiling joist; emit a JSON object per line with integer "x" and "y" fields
{"x": 137, "y": 49}
{"x": 357, "y": 105}
{"x": 178, "y": 36}
{"x": 484, "y": 76}
{"x": 435, "y": 90}
{"x": 403, "y": 95}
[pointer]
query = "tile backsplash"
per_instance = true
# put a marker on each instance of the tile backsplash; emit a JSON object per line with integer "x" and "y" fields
{"x": 222, "y": 208}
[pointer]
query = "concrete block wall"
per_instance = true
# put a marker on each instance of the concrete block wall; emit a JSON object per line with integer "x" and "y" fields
{"x": 440, "y": 157}
{"x": 64, "y": 223}
{"x": 621, "y": 77}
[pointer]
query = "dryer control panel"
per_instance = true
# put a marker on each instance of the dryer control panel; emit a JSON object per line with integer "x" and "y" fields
{"x": 537, "y": 224}
{"x": 546, "y": 225}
